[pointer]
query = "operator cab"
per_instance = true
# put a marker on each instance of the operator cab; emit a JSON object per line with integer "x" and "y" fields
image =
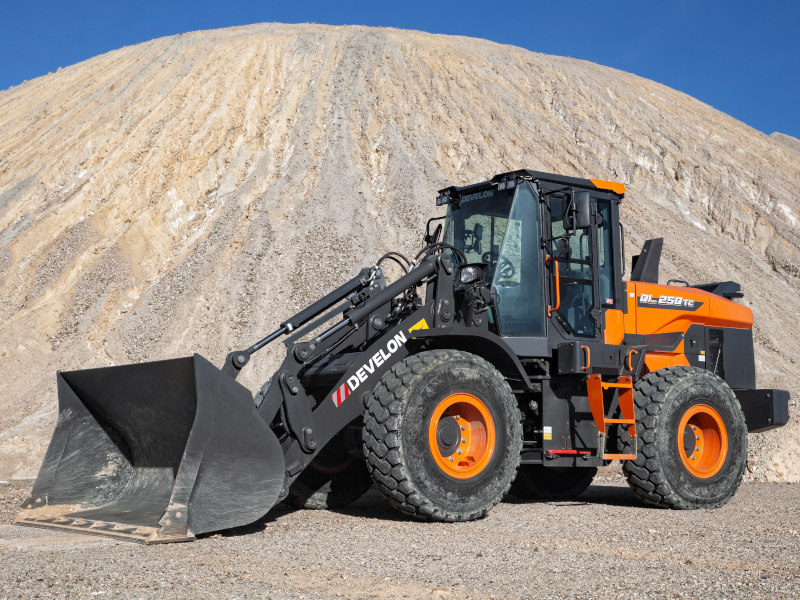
{"x": 552, "y": 247}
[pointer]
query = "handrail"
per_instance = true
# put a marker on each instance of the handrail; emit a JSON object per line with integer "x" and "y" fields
{"x": 551, "y": 309}
{"x": 630, "y": 356}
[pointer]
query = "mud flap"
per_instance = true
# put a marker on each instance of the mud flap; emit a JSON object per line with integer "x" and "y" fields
{"x": 155, "y": 452}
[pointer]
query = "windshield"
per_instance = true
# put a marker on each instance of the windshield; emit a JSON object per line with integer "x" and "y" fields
{"x": 477, "y": 227}
{"x": 501, "y": 228}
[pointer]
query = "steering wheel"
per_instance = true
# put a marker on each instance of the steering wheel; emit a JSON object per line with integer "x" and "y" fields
{"x": 505, "y": 269}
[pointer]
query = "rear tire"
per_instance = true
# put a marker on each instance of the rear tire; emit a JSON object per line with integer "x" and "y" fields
{"x": 537, "y": 482}
{"x": 442, "y": 436}
{"x": 692, "y": 440}
{"x": 334, "y": 479}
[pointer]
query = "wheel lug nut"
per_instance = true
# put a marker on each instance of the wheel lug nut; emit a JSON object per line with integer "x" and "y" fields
{"x": 463, "y": 427}
{"x": 463, "y": 440}
{"x": 696, "y": 448}
{"x": 697, "y": 437}
{"x": 452, "y": 459}
{"x": 458, "y": 451}
{"x": 458, "y": 417}
{"x": 692, "y": 457}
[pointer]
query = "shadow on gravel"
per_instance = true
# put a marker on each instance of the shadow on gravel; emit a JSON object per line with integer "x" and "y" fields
{"x": 276, "y": 513}
{"x": 595, "y": 494}
{"x": 373, "y": 505}
{"x": 613, "y": 495}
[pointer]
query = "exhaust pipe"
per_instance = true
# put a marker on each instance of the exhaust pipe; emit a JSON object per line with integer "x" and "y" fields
{"x": 155, "y": 452}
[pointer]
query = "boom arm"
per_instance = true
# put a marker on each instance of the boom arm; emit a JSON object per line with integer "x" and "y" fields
{"x": 239, "y": 358}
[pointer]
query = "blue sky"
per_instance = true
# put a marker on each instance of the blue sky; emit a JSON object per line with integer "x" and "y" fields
{"x": 740, "y": 57}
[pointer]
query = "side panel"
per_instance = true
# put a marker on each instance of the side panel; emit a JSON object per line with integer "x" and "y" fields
{"x": 567, "y": 424}
{"x": 729, "y": 354}
{"x": 614, "y": 331}
{"x": 656, "y": 308}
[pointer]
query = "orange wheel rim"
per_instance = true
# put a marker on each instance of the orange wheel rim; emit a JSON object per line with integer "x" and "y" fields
{"x": 461, "y": 435}
{"x": 702, "y": 441}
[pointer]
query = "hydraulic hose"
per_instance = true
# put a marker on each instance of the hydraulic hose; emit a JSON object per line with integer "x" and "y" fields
{"x": 426, "y": 268}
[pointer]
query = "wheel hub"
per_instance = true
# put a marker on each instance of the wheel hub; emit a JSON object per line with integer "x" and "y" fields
{"x": 461, "y": 435}
{"x": 702, "y": 441}
{"x": 448, "y": 435}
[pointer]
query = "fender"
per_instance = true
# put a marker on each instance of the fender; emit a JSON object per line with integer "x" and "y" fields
{"x": 654, "y": 342}
{"x": 477, "y": 341}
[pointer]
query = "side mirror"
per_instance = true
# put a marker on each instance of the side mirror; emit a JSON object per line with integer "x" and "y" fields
{"x": 579, "y": 211}
{"x": 436, "y": 233}
{"x": 431, "y": 238}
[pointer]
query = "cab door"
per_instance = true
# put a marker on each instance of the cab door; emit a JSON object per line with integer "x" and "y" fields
{"x": 583, "y": 246}
{"x": 572, "y": 251}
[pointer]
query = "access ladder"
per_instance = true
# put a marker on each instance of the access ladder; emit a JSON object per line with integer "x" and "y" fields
{"x": 624, "y": 385}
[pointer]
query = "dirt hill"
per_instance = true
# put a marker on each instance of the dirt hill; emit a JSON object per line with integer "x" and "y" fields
{"x": 188, "y": 193}
{"x": 787, "y": 140}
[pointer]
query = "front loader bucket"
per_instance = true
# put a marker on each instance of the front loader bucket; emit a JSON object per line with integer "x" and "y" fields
{"x": 155, "y": 452}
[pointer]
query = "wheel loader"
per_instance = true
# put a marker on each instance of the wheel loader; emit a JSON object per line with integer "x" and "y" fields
{"x": 512, "y": 356}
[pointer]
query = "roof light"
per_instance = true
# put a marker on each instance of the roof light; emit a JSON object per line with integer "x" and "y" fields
{"x": 506, "y": 184}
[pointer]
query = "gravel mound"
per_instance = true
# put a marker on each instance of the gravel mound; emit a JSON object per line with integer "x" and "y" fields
{"x": 186, "y": 194}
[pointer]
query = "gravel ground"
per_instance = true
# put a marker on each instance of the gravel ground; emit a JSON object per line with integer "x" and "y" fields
{"x": 603, "y": 545}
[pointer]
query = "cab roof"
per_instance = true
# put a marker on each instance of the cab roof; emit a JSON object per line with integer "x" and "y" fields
{"x": 502, "y": 179}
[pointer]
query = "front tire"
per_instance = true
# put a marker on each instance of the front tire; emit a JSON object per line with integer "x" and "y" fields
{"x": 692, "y": 440}
{"x": 442, "y": 436}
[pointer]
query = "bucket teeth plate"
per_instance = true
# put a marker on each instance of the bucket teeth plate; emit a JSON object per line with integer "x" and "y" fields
{"x": 45, "y": 517}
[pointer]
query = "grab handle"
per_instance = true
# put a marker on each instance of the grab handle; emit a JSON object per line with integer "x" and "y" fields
{"x": 630, "y": 356}
{"x": 551, "y": 309}
{"x": 588, "y": 358}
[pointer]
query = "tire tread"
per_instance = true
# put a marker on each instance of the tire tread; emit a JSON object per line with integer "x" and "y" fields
{"x": 645, "y": 475}
{"x": 381, "y": 434}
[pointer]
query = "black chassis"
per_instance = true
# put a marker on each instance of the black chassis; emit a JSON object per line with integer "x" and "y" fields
{"x": 379, "y": 326}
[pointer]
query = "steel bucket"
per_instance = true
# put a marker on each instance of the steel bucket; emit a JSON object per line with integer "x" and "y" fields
{"x": 155, "y": 452}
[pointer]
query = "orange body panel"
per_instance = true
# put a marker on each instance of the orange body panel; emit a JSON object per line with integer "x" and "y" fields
{"x": 615, "y": 327}
{"x": 613, "y": 186}
{"x": 654, "y": 308}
